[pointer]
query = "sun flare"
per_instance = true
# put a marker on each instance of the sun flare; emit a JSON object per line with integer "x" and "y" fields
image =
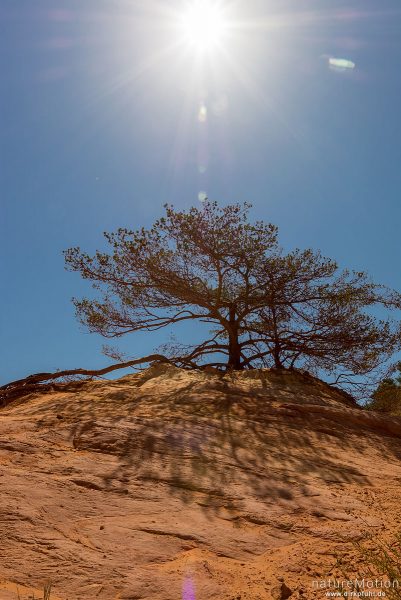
{"x": 203, "y": 25}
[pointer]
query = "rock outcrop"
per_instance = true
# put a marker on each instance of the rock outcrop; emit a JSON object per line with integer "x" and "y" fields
{"x": 173, "y": 484}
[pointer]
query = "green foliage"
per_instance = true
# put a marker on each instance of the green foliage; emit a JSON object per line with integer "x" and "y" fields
{"x": 263, "y": 307}
{"x": 379, "y": 568}
{"x": 387, "y": 396}
{"x": 384, "y": 559}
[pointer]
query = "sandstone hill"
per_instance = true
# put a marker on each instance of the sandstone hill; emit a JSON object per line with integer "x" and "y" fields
{"x": 179, "y": 485}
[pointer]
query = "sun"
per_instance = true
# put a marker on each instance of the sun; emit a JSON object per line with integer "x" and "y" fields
{"x": 203, "y": 25}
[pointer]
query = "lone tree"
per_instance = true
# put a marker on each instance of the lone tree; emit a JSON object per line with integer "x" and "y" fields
{"x": 262, "y": 307}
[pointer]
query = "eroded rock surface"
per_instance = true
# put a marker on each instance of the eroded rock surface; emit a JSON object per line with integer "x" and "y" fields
{"x": 170, "y": 485}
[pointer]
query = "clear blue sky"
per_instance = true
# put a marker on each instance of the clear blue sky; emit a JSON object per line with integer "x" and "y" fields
{"x": 105, "y": 117}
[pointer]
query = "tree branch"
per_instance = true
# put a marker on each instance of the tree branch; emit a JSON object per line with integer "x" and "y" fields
{"x": 36, "y": 382}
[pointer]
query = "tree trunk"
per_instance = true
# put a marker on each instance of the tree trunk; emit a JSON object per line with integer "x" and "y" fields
{"x": 234, "y": 349}
{"x": 276, "y": 350}
{"x": 276, "y": 356}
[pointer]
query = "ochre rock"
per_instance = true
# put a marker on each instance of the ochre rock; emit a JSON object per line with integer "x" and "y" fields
{"x": 184, "y": 485}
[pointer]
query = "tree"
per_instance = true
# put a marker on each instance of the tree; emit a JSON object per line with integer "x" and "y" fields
{"x": 263, "y": 307}
{"x": 387, "y": 397}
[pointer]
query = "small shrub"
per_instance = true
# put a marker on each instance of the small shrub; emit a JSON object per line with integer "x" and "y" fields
{"x": 46, "y": 591}
{"x": 382, "y": 560}
{"x": 387, "y": 397}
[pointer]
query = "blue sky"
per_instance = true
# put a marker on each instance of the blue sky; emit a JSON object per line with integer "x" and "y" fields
{"x": 105, "y": 117}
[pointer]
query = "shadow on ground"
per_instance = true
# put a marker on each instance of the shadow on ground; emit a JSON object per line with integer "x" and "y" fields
{"x": 208, "y": 438}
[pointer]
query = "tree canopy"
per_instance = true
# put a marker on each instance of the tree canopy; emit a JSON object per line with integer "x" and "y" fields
{"x": 387, "y": 396}
{"x": 261, "y": 307}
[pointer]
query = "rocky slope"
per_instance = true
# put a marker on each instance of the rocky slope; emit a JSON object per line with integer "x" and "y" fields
{"x": 171, "y": 484}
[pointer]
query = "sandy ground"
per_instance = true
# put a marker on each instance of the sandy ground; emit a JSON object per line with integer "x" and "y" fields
{"x": 183, "y": 485}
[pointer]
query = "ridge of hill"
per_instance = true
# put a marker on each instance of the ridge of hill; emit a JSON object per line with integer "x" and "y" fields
{"x": 170, "y": 484}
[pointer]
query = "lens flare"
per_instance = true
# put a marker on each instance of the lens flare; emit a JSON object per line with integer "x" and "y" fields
{"x": 202, "y": 114}
{"x": 188, "y": 589}
{"x": 341, "y": 63}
